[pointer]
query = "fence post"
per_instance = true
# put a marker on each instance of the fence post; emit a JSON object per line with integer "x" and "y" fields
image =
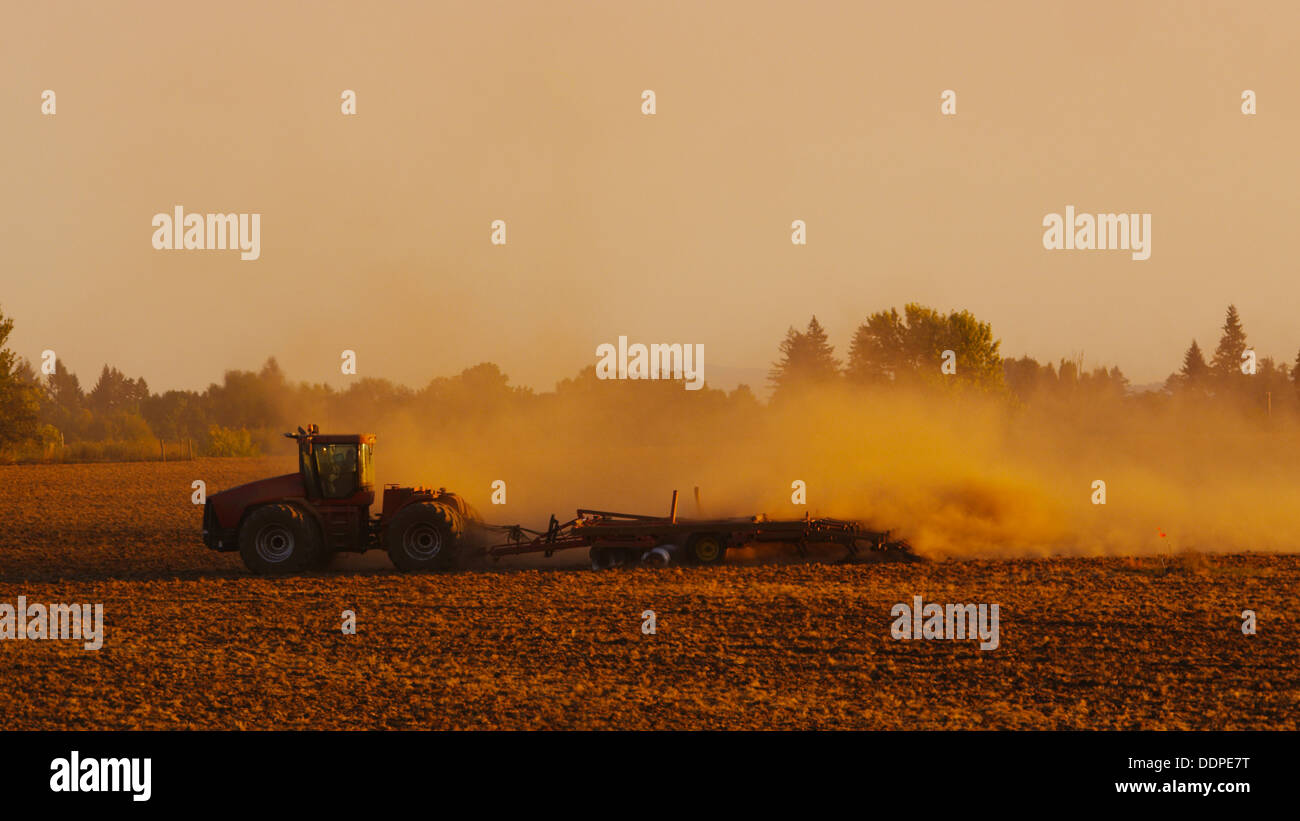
{"x": 162, "y": 454}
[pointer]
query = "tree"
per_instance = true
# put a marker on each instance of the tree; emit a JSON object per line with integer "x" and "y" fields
{"x": 176, "y": 415}
{"x": 1268, "y": 388}
{"x": 742, "y": 398}
{"x": 1195, "y": 375}
{"x": 64, "y": 389}
{"x": 1067, "y": 376}
{"x": 978, "y": 359}
{"x": 1118, "y": 380}
{"x": 1226, "y": 364}
{"x": 249, "y": 400}
{"x": 116, "y": 392}
{"x": 807, "y": 360}
{"x": 889, "y": 348}
{"x": 63, "y": 402}
{"x": 1295, "y": 376}
{"x": 1101, "y": 382}
{"x": 877, "y": 353}
{"x": 19, "y": 392}
{"x": 1024, "y": 376}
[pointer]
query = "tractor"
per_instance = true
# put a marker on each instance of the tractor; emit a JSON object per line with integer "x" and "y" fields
{"x": 300, "y": 521}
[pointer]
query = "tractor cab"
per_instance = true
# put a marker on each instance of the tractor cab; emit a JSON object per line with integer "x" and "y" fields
{"x": 336, "y": 467}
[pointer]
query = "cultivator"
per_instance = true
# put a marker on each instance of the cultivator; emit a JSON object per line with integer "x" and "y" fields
{"x": 617, "y": 539}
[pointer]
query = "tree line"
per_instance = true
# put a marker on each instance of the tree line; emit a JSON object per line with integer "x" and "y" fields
{"x": 893, "y": 350}
{"x": 55, "y": 416}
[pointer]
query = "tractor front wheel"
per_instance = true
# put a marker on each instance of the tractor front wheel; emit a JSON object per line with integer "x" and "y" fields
{"x": 424, "y": 536}
{"x": 278, "y": 539}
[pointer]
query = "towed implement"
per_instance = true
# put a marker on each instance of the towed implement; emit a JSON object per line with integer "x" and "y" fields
{"x": 621, "y": 539}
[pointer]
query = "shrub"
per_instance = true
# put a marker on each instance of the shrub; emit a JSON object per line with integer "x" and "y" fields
{"x": 230, "y": 442}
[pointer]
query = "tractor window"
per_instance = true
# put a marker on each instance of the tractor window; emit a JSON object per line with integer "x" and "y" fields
{"x": 306, "y": 465}
{"x": 367, "y": 467}
{"x": 337, "y": 466}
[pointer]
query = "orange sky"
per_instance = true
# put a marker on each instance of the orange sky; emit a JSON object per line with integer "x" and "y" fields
{"x": 671, "y": 228}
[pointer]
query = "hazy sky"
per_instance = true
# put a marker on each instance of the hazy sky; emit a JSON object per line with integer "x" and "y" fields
{"x": 666, "y": 228}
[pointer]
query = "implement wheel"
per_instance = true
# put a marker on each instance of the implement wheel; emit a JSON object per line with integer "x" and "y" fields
{"x": 706, "y": 549}
{"x": 608, "y": 558}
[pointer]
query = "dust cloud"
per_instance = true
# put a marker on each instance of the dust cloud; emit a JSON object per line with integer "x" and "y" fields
{"x": 957, "y": 474}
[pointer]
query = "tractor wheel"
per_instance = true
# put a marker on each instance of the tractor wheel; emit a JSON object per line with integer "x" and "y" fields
{"x": 706, "y": 548}
{"x": 278, "y": 539}
{"x": 424, "y": 536}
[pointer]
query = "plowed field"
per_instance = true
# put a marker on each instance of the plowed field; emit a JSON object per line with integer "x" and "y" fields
{"x": 193, "y": 641}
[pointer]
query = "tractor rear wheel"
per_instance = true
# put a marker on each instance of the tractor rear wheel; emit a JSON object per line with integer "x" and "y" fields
{"x": 278, "y": 539}
{"x": 424, "y": 536}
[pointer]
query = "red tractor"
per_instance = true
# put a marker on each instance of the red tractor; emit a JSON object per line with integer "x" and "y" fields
{"x": 301, "y": 520}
